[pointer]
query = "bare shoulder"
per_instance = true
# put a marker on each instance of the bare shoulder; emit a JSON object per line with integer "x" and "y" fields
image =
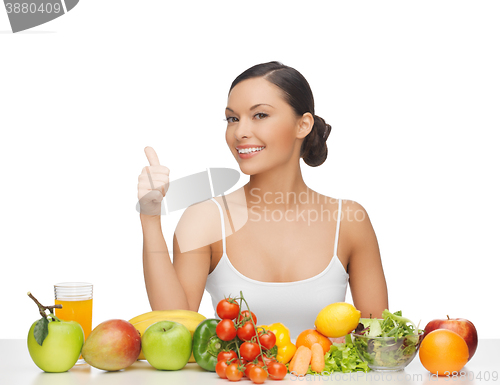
{"x": 354, "y": 215}
{"x": 200, "y": 211}
{"x": 233, "y": 200}
{"x": 200, "y": 224}
{"x": 235, "y": 207}
{"x": 196, "y": 228}
{"x": 351, "y": 210}
{"x": 357, "y": 225}
{"x": 354, "y": 211}
{"x": 207, "y": 212}
{"x": 325, "y": 201}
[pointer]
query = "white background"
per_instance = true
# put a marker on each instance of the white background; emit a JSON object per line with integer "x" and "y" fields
{"x": 411, "y": 90}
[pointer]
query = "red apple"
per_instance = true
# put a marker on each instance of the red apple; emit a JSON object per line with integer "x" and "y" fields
{"x": 113, "y": 345}
{"x": 463, "y": 327}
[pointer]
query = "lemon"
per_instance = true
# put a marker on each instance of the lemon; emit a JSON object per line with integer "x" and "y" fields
{"x": 337, "y": 320}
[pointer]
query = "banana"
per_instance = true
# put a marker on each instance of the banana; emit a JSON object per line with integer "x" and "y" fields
{"x": 167, "y": 313}
{"x": 190, "y": 319}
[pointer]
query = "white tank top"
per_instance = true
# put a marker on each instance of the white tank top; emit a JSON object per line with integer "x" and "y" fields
{"x": 295, "y": 304}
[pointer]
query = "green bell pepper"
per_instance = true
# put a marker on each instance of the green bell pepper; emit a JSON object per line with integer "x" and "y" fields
{"x": 206, "y": 344}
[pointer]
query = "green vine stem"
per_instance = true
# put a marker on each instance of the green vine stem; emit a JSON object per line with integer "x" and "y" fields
{"x": 255, "y": 328}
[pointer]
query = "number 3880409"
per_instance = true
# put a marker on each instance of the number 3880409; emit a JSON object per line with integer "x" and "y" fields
{"x": 33, "y": 8}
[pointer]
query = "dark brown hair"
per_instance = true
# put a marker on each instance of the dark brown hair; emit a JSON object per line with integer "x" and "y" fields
{"x": 298, "y": 94}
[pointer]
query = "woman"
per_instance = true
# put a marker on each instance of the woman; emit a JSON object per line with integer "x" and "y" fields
{"x": 273, "y": 239}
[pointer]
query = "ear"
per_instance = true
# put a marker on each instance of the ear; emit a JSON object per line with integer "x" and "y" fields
{"x": 305, "y": 125}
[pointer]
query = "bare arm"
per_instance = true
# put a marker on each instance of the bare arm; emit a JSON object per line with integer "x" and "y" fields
{"x": 162, "y": 284}
{"x": 192, "y": 251}
{"x": 177, "y": 285}
{"x": 366, "y": 275}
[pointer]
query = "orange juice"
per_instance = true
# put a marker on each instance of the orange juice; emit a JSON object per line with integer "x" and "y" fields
{"x": 79, "y": 311}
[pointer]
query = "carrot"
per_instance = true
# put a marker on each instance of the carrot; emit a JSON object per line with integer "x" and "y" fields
{"x": 300, "y": 361}
{"x": 292, "y": 362}
{"x": 317, "y": 358}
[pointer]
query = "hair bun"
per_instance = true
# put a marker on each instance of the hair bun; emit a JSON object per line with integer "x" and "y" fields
{"x": 326, "y": 127}
{"x": 314, "y": 150}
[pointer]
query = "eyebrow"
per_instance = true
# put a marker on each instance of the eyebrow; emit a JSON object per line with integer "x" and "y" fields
{"x": 253, "y": 107}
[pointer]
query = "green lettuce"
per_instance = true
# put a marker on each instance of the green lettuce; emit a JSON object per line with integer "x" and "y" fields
{"x": 342, "y": 357}
{"x": 388, "y": 353}
{"x": 392, "y": 325}
{"x": 374, "y": 326}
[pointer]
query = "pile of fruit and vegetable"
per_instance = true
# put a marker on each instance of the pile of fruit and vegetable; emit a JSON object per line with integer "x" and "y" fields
{"x": 235, "y": 345}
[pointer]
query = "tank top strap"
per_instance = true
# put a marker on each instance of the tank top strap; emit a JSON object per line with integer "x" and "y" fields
{"x": 222, "y": 227}
{"x": 338, "y": 227}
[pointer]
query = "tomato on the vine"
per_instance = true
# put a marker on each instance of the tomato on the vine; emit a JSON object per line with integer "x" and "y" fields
{"x": 267, "y": 339}
{"x": 246, "y": 331}
{"x": 233, "y": 372}
{"x": 265, "y": 359}
{"x": 257, "y": 374}
{"x": 246, "y": 313}
{"x": 228, "y": 308}
{"x": 225, "y": 330}
{"x": 226, "y": 355}
{"x": 249, "y": 350}
{"x": 277, "y": 370}
{"x": 248, "y": 366}
{"x": 220, "y": 368}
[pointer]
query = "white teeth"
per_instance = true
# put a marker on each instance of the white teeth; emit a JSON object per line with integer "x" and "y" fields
{"x": 248, "y": 150}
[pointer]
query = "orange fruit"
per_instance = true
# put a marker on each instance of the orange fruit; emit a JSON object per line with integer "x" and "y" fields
{"x": 443, "y": 352}
{"x": 311, "y": 336}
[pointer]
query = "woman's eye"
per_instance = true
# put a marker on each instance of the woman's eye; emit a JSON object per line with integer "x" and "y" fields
{"x": 260, "y": 114}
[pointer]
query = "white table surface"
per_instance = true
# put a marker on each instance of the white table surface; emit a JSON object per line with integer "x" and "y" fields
{"x": 17, "y": 368}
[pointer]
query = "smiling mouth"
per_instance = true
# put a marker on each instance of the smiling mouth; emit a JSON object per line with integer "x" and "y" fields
{"x": 250, "y": 150}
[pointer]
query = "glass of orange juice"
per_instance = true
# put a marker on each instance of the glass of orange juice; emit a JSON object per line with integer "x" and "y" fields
{"x": 76, "y": 301}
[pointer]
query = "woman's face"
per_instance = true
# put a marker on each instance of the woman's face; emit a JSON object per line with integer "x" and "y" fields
{"x": 258, "y": 117}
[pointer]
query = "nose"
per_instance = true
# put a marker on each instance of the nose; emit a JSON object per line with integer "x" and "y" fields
{"x": 243, "y": 129}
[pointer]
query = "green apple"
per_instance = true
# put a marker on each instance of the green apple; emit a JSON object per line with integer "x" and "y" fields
{"x": 60, "y": 349}
{"x": 167, "y": 345}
